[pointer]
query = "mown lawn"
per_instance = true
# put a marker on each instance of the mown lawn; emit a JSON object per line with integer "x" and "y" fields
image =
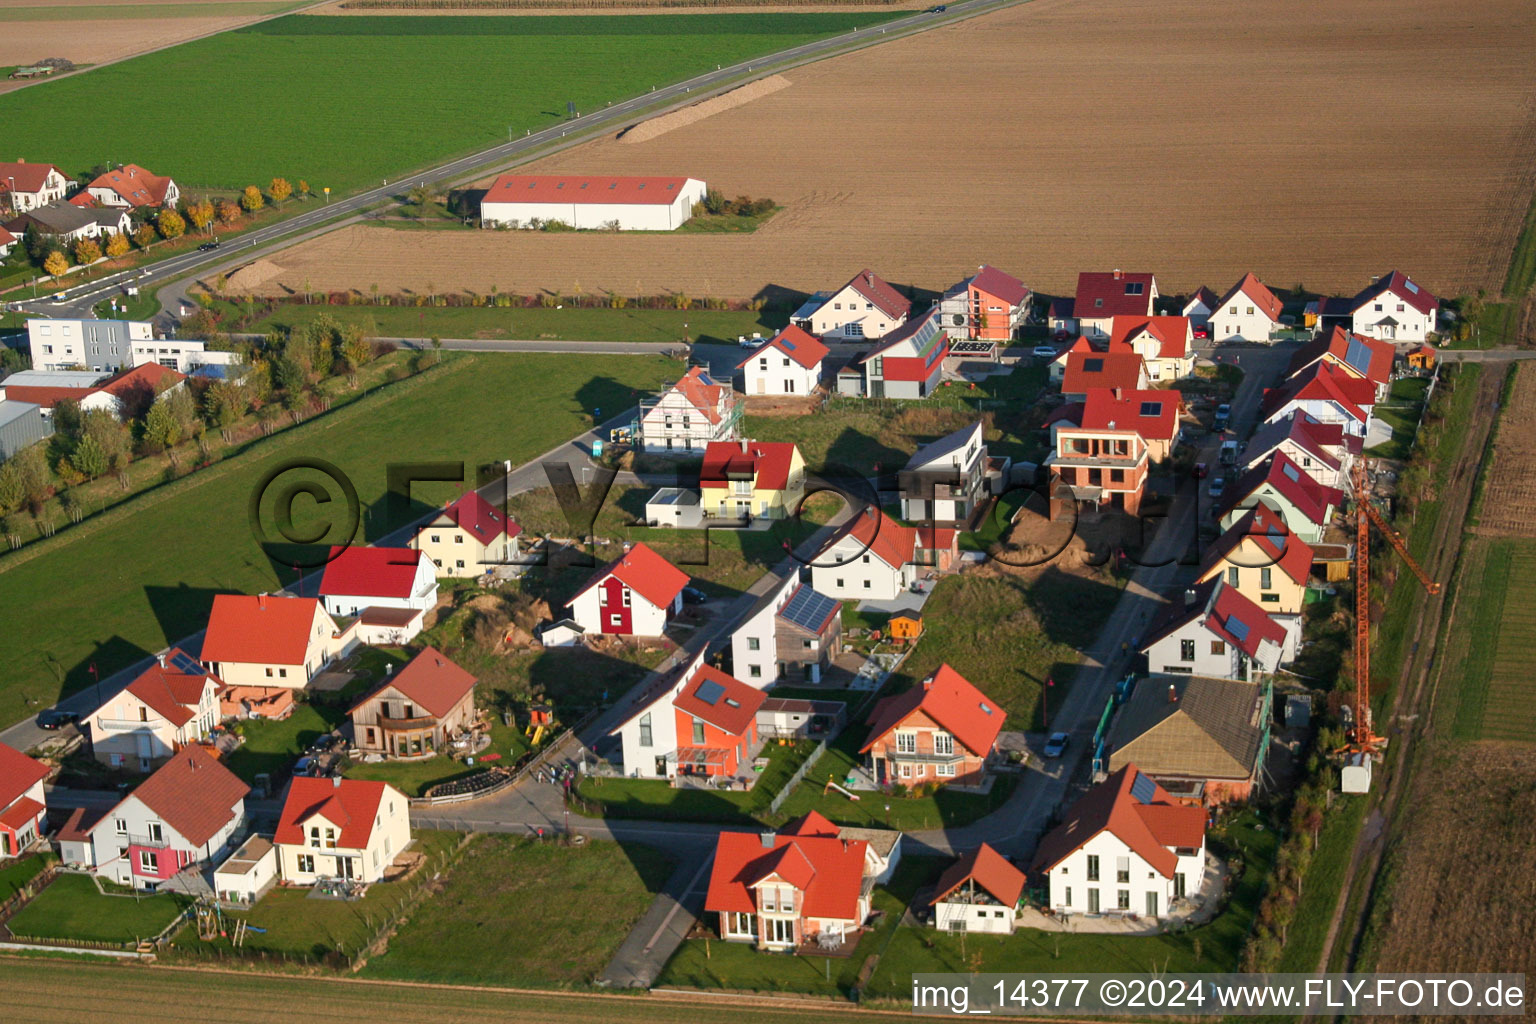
{"x": 521, "y": 912}
{"x": 1401, "y": 412}
{"x": 271, "y": 747}
{"x": 160, "y": 591}
{"x": 16, "y": 873}
{"x": 414, "y": 778}
{"x": 434, "y": 87}
{"x": 72, "y": 908}
{"x": 656, "y": 798}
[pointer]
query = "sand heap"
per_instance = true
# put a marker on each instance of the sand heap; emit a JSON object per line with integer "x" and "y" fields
{"x": 647, "y": 130}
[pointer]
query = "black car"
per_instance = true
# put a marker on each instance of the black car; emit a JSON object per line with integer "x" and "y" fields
{"x": 206, "y": 246}
{"x": 693, "y": 595}
{"x": 57, "y": 718}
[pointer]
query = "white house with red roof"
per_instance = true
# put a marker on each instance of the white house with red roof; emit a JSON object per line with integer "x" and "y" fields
{"x": 1125, "y": 847}
{"x": 172, "y": 703}
{"x": 591, "y": 202}
{"x": 875, "y": 558}
{"x": 1355, "y": 355}
{"x": 182, "y": 817}
{"x": 23, "y": 809}
{"x": 340, "y": 828}
{"x": 989, "y": 306}
{"x": 1102, "y": 460}
{"x": 1164, "y": 343}
{"x": 698, "y": 721}
{"x": 1304, "y": 505}
{"x": 909, "y": 361}
{"x": 7, "y": 243}
{"x": 634, "y": 596}
{"x": 1327, "y": 394}
{"x": 1101, "y": 297}
{"x": 689, "y": 415}
{"x": 1247, "y": 312}
{"x": 943, "y": 730}
{"x": 468, "y": 538}
{"x": 781, "y": 890}
{"x": 1086, "y": 368}
{"x": 133, "y": 187}
{"x": 1260, "y": 557}
{"x": 1394, "y": 308}
{"x": 25, "y": 186}
{"x": 980, "y": 892}
{"x": 866, "y": 307}
{"x": 1212, "y": 629}
{"x": 1318, "y": 448}
{"x": 1200, "y": 306}
{"x": 789, "y": 363}
{"x": 272, "y": 641}
{"x": 359, "y": 582}
{"x": 752, "y": 479}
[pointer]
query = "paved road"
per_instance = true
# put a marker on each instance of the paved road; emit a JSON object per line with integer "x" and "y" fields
{"x": 1485, "y": 355}
{"x": 79, "y": 300}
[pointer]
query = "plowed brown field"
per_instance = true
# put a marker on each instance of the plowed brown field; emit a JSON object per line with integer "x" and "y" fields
{"x": 1316, "y": 143}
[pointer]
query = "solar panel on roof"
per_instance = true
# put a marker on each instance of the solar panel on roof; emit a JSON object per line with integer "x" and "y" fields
{"x": 1358, "y": 355}
{"x": 1410, "y": 286}
{"x": 808, "y": 609}
{"x": 182, "y": 662}
{"x": 1151, "y": 408}
{"x": 787, "y": 344}
{"x": 709, "y": 691}
{"x": 1291, "y": 471}
{"x": 1143, "y": 789}
{"x": 1238, "y": 628}
{"x": 1093, "y": 365}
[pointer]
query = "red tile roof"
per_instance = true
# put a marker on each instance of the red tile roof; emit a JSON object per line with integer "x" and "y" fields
{"x": 1105, "y": 294}
{"x": 1314, "y": 438}
{"x": 576, "y": 188}
{"x": 950, "y": 700}
{"x": 1149, "y": 829}
{"x": 1335, "y": 347}
{"x": 137, "y": 186}
{"x": 356, "y": 571}
{"x": 892, "y": 543}
{"x": 1232, "y": 608}
{"x": 646, "y": 573}
{"x": 6, "y": 238}
{"x": 27, "y": 177}
{"x": 999, "y": 285}
{"x": 21, "y": 813}
{"x": 151, "y": 375}
{"x": 767, "y": 463}
{"x": 77, "y": 827}
{"x": 1154, "y": 415}
{"x": 874, "y": 289}
{"x": 1116, "y": 369}
{"x": 1291, "y": 482}
{"x": 169, "y": 692}
{"x": 795, "y": 343}
{"x": 430, "y": 681}
{"x": 193, "y": 793}
{"x": 1172, "y": 333}
{"x": 260, "y": 629}
{"x": 1262, "y": 298}
{"x": 349, "y": 804}
{"x": 18, "y": 773}
{"x": 990, "y": 869}
{"x": 1401, "y": 285}
{"x": 1205, "y": 296}
{"x": 734, "y": 704}
{"x": 473, "y": 513}
{"x": 701, "y": 392}
{"x": 1322, "y": 382}
{"x": 47, "y": 397}
{"x": 1277, "y": 545}
{"x": 828, "y": 871}
{"x": 811, "y": 823}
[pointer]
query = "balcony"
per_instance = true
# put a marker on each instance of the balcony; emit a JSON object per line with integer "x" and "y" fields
{"x": 120, "y": 725}
{"x": 389, "y": 724}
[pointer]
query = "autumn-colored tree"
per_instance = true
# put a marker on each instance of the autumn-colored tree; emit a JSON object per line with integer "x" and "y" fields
{"x": 144, "y": 235}
{"x": 303, "y": 189}
{"x": 200, "y": 213}
{"x": 229, "y": 213}
{"x": 251, "y": 199}
{"x": 170, "y": 224}
{"x": 55, "y": 264}
{"x": 117, "y": 244}
{"x": 279, "y": 190}
{"x": 87, "y": 250}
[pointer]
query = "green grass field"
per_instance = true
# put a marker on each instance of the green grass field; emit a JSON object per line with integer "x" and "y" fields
{"x": 149, "y": 569}
{"x": 16, "y": 873}
{"x": 1492, "y": 639}
{"x": 72, "y": 908}
{"x": 386, "y": 94}
{"x": 1401, "y": 412}
{"x": 271, "y": 747}
{"x": 655, "y": 798}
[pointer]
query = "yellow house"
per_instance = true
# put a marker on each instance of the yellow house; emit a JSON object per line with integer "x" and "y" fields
{"x": 752, "y": 479}
{"x": 469, "y": 538}
{"x": 340, "y": 828}
{"x": 1263, "y": 561}
{"x": 268, "y": 640}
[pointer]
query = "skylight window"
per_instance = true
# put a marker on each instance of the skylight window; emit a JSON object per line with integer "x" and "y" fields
{"x": 1291, "y": 472}
{"x": 1093, "y": 365}
{"x": 1134, "y": 288}
{"x": 1151, "y": 408}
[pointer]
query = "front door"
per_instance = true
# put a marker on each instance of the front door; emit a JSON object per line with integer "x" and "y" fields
{"x": 1093, "y": 901}
{"x": 344, "y": 867}
{"x": 780, "y": 931}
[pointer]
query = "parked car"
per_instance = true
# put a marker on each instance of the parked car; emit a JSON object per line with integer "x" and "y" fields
{"x": 208, "y": 246}
{"x": 56, "y": 718}
{"x": 1223, "y": 415}
{"x": 756, "y": 341}
{"x": 1057, "y": 744}
{"x": 1202, "y": 332}
{"x": 693, "y": 595}
{"x": 1201, "y": 470}
{"x": 1044, "y": 352}
{"x": 1218, "y": 484}
{"x": 1229, "y": 453}
{"x": 304, "y": 767}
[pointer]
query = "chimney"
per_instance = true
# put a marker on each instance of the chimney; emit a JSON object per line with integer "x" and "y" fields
{"x": 161, "y": 659}
{"x": 336, "y": 782}
{"x": 744, "y": 446}
{"x": 1173, "y": 694}
{"x": 389, "y": 667}
{"x": 928, "y": 683}
{"x": 261, "y": 601}
{"x": 1189, "y": 598}
{"x": 767, "y": 839}
{"x": 1119, "y": 273}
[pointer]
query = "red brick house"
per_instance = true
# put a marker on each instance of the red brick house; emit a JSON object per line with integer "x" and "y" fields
{"x": 1086, "y": 368}
{"x": 941, "y": 730}
{"x": 1102, "y": 461}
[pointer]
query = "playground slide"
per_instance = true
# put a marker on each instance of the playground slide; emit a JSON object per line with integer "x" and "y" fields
{"x": 840, "y": 789}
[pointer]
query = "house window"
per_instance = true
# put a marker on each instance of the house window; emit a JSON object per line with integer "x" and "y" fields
{"x": 626, "y": 597}
{"x": 943, "y": 743}
{"x": 1067, "y": 894}
{"x": 121, "y": 826}
{"x": 740, "y": 924}
{"x": 1122, "y": 899}
{"x": 866, "y": 585}
{"x": 770, "y": 900}
{"x": 1231, "y": 575}
{"x": 1093, "y": 867}
{"x": 1122, "y": 869}
{"x": 1264, "y": 578}
{"x": 787, "y": 901}
{"x": 149, "y": 862}
{"x": 906, "y": 743}
{"x": 282, "y": 673}
{"x": 306, "y": 864}
{"x": 755, "y": 671}
{"x": 698, "y": 732}
{"x": 458, "y": 538}
{"x": 1269, "y": 598}
{"x": 754, "y": 643}
{"x": 645, "y": 729}
{"x": 1186, "y": 650}
{"x": 946, "y": 770}
{"x": 838, "y": 583}
{"x": 906, "y": 771}
{"x": 269, "y": 673}
{"x": 1093, "y": 901}
{"x": 1218, "y": 647}
{"x": 853, "y": 330}
{"x": 156, "y": 832}
{"x": 436, "y": 538}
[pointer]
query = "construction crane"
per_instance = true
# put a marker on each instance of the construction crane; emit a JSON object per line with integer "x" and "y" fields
{"x": 1362, "y": 739}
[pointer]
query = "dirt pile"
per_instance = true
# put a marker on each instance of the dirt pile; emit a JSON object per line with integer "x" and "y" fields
{"x": 656, "y": 126}
{"x": 252, "y": 276}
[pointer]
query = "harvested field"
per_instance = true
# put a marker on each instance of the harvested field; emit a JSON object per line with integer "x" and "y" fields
{"x": 1509, "y": 496}
{"x": 1242, "y": 149}
{"x": 645, "y": 131}
{"x": 493, "y": 8}
{"x": 1491, "y": 641}
{"x": 1470, "y": 822}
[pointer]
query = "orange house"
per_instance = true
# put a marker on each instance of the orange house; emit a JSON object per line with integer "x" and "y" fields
{"x": 942, "y": 730}
{"x": 716, "y": 719}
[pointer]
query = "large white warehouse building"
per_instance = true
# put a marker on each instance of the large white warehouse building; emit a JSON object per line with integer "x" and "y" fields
{"x": 636, "y": 204}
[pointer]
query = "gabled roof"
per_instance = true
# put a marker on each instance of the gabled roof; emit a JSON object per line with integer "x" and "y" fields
{"x": 1322, "y": 382}
{"x": 885, "y": 538}
{"x": 946, "y": 446}
{"x": 260, "y": 629}
{"x": 1205, "y": 297}
{"x": 585, "y": 189}
{"x": 473, "y": 513}
{"x": 356, "y": 571}
{"x": 924, "y": 335}
{"x": 27, "y": 177}
{"x": 991, "y": 871}
{"x": 171, "y": 691}
{"x": 350, "y": 804}
{"x": 875, "y": 289}
{"x": 646, "y": 573}
{"x": 1154, "y": 415}
{"x": 973, "y": 718}
{"x": 1172, "y": 333}
{"x": 811, "y": 823}
{"x": 137, "y": 186}
{"x": 1060, "y": 309}
{"x": 1113, "y": 294}
{"x": 193, "y": 793}
{"x": 57, "y": 217}
{"x": 1262, "y": 298}
{"x": 723, "y": 701}
{"x": 699, "y": 389}
{"x": 795, "y": 343}
{"x": 999, "y": 285}
{"x": 1113, "y": 369}
{"x": 18, "y": 773}
{"x": 1128, "y": 805}
{"x": 6, "y": 238}
{"x": 831, "y": 890}
{"x": 1278, "y": 546}
{"x": 1191, "y": 727}
{"x": 147, "y": 375}
{"x": 1314, "y": 438}
{"x": 1291, "y": 482}
{"x": 766, "y": 463}
{"x": 1355, "y": 354}
{"x": 1400, "y": 285}
{"x": 430, "y": 681}
{"x": 1240, "y": 621}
